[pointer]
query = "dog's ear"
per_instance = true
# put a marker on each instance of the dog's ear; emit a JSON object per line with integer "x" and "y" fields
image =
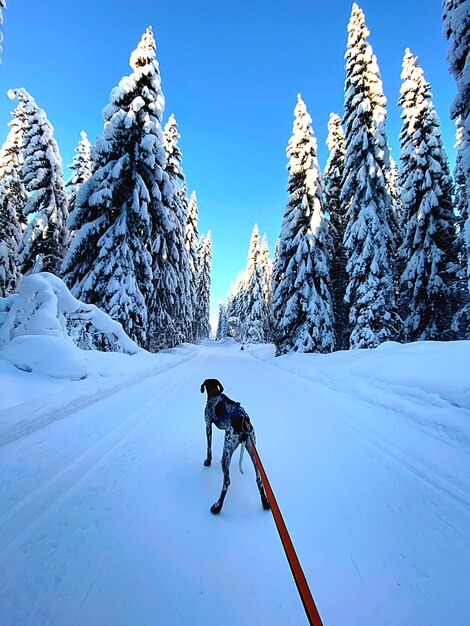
{"x": 202, "y": 386}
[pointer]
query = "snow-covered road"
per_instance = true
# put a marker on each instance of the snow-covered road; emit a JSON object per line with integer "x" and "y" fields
{"x": 104, "y": 506}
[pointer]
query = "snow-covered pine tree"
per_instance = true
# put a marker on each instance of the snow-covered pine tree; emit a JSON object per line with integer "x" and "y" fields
{"x": 182, "y": 310}
{"x": 396, "y": 225}
{"x": 298, "y": 151}
{"x": 10, "y": 237}
{"x": 45, "y": 240}
{"x": 204, "y": 287}
{"x": 393, "y": 187}
{"x": 170, "y": 143}
{"x": 266, "y": 267}
{"x": 429, "y": 252}
{"x": 235, "y": 307}
{"x": 302, "y": 304}
{"x": 253, "y": 303}
{"x": 191, "y": 241}
{"x": 183, "y": 192}
{"x": 276, "y": 254}
{"x": 334, "y": 172}
{"x": 461, "y": 323}
{"x": 461, "y": 198}
{"x": 275, "y": 280}
{"x": 456, "y": 28}
{"x": 13, "y": 198}
{"x": 222, "y": 322}
{"x": 82, "y": 169}
{"x": 122, "y": 210}
{"x": 228, "y": 308}
{"x": 267, "y": 278}
{"x": 370, "y": 294}
{"x": 333, "y": 180}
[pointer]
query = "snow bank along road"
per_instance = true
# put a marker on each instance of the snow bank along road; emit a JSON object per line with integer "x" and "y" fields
{"x": 104, "y": 513}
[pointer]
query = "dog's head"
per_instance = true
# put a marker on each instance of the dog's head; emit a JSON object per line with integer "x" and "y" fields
{"x": 212, "y": 385}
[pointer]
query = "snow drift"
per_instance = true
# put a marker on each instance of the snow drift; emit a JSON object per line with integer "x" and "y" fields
{"x": 43, "y": 328}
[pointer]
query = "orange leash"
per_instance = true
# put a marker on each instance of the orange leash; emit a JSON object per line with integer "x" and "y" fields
{"x": 299, "y": 577}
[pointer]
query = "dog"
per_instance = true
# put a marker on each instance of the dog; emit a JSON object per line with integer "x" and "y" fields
{"x": 231, "y": 417}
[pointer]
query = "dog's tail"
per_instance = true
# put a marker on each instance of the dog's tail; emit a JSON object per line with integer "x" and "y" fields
{"x": 242, "y": 450}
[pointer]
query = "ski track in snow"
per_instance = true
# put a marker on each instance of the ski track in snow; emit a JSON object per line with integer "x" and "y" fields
{"x": 104, "y": 507}
{"x": 49, "y": 494}
{"x": 399, "y": 405}
{"x": 45, "y": 416}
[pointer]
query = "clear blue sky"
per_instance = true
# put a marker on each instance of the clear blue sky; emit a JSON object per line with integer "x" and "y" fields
{"x": 230, "y": 74}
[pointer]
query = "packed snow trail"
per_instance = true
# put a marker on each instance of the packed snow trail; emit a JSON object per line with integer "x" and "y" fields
{"x": 104, "y": 514}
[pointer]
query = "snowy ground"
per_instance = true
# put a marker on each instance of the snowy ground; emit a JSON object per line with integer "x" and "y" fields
{"x": 104, "y": 499}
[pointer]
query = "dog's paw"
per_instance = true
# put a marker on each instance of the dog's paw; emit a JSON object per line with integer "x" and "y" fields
{"x": 216, "y": 508}
{"x": 207, "y": 462}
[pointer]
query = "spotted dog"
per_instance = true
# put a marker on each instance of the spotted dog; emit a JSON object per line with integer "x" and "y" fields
{"x": 231, "y": 417}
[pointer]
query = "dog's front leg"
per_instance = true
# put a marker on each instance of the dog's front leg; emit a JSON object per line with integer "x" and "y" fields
{"x": 208, "y": 460}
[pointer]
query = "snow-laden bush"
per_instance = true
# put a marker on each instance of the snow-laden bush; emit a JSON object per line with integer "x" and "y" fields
{"x": 44, "y": 306}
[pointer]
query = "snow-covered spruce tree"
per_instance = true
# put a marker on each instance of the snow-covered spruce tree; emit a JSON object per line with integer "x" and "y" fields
{"x": 203, "y": 329}
{"x": 302, "y": 304}
{"x": 298, "y": 151}
{"x": 222, "y": 323}
{"x": 121, "y": 211}
{"x": 227, "y": 310}
{"x": 13, "y": 198}
{"x": 456, "y": 28}
{"x": 254, "y": 308}
{"x": 461, "y": 322}
{"x": 267, "y": 278}
{"x": 333, "y": 180}
{"x": 395, "y": 221}
{"x": 45, "y": 240}
{"x": 82, "y": 168}
{"x": 429, "y": 252}
{"x": 182, "y": 311}
{"x": 170, "y": 143}
{"x": 275, "y": 280}
{"x": 191, "y": 238}
{"x": 235, "y": 311}
{"x": 10, "y": 237}
{"x": 461, "y": 201}
{"x": 461, "y": 198}
{"x": 393, "y": 187}
{"x": 276, "y": 254}
{"x": 370, "y": 294}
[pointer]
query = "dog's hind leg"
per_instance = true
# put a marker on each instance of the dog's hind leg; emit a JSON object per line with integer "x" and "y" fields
{"x": 208, "y": 460}
{"x": 230, "y": 444}
{"x": 259, "y": 481}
